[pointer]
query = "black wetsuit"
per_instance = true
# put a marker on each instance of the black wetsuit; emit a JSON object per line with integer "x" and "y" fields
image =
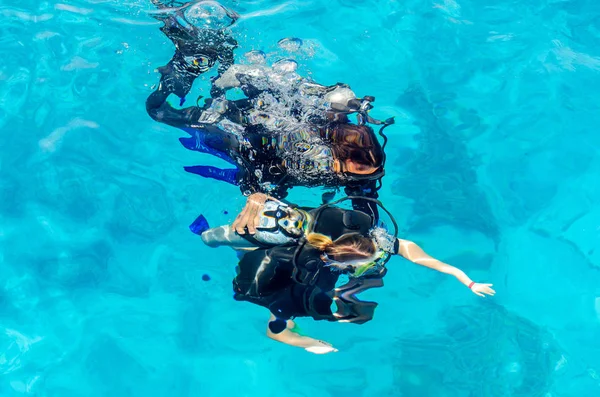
{"x": 292, "y": 281}
{"x": 258, "y": 167}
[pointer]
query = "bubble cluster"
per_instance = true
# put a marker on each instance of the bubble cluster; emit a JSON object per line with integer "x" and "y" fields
{"x": 291, "y": 44}
{"x": 209, "y": 15}
{"x": 256, "y": 57}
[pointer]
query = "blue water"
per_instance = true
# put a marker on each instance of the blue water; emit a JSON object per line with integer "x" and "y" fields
{"x": 493, "y": 167}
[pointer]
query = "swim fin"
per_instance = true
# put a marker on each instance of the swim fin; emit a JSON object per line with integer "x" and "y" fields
{"x": 189, "y": 143}
{"x": 228, "y": 175}
{"x": 199, "y": 226}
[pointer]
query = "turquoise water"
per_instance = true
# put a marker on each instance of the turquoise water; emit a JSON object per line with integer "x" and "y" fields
{"x": 493, "y": 168}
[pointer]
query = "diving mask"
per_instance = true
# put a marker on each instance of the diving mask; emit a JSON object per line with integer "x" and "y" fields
{"x": 358, "y": 267}
{"x": 353, "y": 177}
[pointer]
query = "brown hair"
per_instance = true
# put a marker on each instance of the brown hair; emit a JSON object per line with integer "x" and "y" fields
{"x": 357, "y": 143}
{"x": 348, "y": 247}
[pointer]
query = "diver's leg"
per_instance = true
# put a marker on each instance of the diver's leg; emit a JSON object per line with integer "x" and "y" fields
{"x": 225, "y": 236}
{"x": 291, "y": 337}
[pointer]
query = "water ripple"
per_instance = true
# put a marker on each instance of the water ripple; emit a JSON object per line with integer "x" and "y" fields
{"x": 76, "y": 10}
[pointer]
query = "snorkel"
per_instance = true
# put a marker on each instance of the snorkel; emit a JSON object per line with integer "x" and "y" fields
{"x": 351, "y": 266}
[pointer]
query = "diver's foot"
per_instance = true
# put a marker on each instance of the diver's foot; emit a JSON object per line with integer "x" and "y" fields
{"x": 321, "y": 347}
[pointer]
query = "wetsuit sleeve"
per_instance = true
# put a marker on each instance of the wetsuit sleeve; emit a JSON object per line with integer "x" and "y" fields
{"x": 160, "y": 110}
{"x": 250, "y": 183}
{"x": 196, "y": 52}
{"x": 280, "y": 192}
{"x": 226, "y": 59}
{"x": 262, "y": 171}
{"x": 368, "y": 189}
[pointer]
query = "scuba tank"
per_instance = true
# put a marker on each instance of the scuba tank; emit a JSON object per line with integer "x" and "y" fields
{"x": 349, "y": 308}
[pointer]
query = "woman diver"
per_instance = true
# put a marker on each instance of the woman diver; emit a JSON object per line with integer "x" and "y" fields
{"x": 294, "y": 260}
{"x": 267, "y": 157}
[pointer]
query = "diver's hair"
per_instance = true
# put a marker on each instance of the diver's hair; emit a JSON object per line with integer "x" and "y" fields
{"x": 348, "y": 247}
{"x": 357, "y": 143}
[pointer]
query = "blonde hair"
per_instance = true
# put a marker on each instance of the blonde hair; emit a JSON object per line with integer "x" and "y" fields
{"x": 348, "y": 247}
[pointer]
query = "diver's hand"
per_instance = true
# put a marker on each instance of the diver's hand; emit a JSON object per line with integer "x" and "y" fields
{"x": 321, "y": 347}
{"x": 250, "y": 215}
{"x": 481, "y": 289}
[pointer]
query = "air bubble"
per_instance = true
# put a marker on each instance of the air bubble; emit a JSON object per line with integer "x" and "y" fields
{"x": 256, "y": 57}
{"x": 209, "y": 15}
{"x": 291, "y": 44}
{"x": 285, "y": 66}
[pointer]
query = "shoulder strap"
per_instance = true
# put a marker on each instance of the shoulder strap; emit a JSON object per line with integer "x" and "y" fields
{"x": 319, "y": 210}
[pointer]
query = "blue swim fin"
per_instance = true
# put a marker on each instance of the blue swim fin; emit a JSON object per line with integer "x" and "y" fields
{"x": 199, "y": 226}
{"x": 198, "y": 143}
{"x": 228, "y": 175}
{"x": 189, "y": 143}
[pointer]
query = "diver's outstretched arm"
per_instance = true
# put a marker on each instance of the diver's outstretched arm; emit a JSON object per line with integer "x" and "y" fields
{"x": 197, "y": 50}
{"x": 292, "y": 338}
{"x": 415, "y": 254}
{"x": 160, "y": 110}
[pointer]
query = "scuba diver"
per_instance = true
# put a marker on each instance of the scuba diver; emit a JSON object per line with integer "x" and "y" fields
{"x": 293, "y": 262}
{"x": 268, "y": 154}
